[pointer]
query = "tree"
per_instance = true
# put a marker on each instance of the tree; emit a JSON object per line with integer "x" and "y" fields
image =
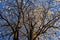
{"x": 27, "y": 20}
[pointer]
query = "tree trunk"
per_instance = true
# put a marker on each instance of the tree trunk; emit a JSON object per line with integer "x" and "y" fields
{"x": 30, "y": 35}
{"x": 16, "y": 35}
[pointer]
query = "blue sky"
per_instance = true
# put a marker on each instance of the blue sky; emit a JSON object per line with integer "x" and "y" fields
{"x": 1, "y": 5}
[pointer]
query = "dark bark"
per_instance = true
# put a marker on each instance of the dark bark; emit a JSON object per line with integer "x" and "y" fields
{"x": 16, "y": 36}
{"x": 31, "y": 30}
{"x": 30, "y": 35}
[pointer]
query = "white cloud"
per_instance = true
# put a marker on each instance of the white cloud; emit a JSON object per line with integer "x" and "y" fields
{"x": 57, "y": 0}
{"x": 0, "y": 1}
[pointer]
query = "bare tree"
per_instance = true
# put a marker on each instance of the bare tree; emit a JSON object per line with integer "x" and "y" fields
{"x": 27, "y": 20}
